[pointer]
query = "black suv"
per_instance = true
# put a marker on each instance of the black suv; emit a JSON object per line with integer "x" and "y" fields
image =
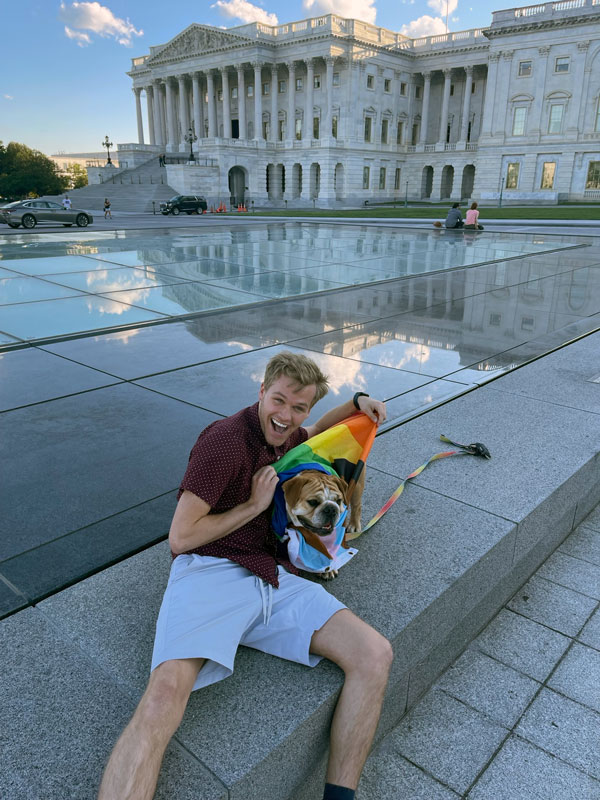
{"x": 189, "y": 203}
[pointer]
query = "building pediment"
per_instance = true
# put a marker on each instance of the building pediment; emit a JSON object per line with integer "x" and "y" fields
{"x": 197, "y": 40}
{"x": 558, "y": 95}
{"x": 521, "y": 98}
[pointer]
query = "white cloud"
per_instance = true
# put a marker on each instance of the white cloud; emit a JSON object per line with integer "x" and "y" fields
{"x": 97, "y": 19}
{"x": 351, "y": 9}
{"x": 8, "y": 97}
{"x": 443, "y": 7}
{"x": 245, "y": 11}
{"x": 424, "y": 26}
{"x": 82, "y": 39}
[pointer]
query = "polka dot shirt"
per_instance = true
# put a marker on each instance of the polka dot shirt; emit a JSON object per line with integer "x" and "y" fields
{"x": 225, "y": 457}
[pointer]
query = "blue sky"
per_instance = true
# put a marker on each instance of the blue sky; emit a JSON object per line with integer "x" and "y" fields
{"x": 63, "y": 85}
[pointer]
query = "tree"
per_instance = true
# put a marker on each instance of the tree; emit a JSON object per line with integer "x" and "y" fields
{"x": 26, "y": 172}
{"x": 77, "y": 175}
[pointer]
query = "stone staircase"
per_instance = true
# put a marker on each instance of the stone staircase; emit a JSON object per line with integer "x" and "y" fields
{"x": 130, "y": 190}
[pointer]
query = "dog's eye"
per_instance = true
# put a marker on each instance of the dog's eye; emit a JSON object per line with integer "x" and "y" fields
{"x": 313, "y": 503}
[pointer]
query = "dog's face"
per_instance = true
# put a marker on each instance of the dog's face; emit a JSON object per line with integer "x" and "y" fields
{"x": 315, "y": 500}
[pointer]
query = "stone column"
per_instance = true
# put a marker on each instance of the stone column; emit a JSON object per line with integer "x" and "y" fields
{"x": 197, "y": 101}
{"x": 352, "y": 118}
{"x": 502, "y": 88}
{"x": 445, "y": 103}
{"x": 258, "y": 100}
{"x": 138, "y": 112}
{"x": 466, "y": 109}
{"x": 410, "y": 86}
{"x": 226, "y": 104}
{"x": 326, "y": 122}
{"x": 308, "y": 107}
{"x": 241, "y": 102}
{"x": 571, "y": 124}
{"x": 274, "y": 87}
{"x": 150, "y": 105}
{"x": 290, "y": 133}
{"x": 212, "y": 116}
{"x": 183, "y": 108}
{"x": 425, "y": 108}
{"x": 490, "y": 95}
{"x": 171, "y": 133}
{"x": 533, "y": 127}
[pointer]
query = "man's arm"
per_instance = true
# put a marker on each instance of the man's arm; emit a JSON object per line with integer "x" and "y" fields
{"x": 193, "y": 526}
{"x": 374, "y": 409}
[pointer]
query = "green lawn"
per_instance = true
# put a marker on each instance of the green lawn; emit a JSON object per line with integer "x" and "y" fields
{"x": 439, "y": 212}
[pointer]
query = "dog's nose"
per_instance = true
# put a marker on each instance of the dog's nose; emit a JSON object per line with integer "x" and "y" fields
{"x": 330, "y": 511}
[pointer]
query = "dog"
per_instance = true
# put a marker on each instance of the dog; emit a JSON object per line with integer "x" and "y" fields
{"x": 316, "y": 505}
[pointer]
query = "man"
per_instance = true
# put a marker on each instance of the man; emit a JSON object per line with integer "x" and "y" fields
{"x": 454, "y": 218}
{"x": 66, "y": 203}
{"x": 226, "y": 565}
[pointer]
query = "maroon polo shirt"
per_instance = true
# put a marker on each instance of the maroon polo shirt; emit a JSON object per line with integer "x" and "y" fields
{"x": 220, "y": 469}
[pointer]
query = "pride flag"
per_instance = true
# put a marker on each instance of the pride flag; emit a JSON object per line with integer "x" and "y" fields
{"x": 340, "y": 450}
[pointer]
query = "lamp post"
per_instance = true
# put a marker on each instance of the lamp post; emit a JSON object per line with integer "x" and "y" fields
{"x": 406, "y": 196}
{"x": 108, "y": 145}
{"x": 501, "y": 189}
{"x": 190, "y": 137}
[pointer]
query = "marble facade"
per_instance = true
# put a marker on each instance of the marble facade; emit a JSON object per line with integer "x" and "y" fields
{"x": 336, "y": 111}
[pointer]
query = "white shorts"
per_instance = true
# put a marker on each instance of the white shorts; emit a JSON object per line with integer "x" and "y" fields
{"x": 212, "y": 605}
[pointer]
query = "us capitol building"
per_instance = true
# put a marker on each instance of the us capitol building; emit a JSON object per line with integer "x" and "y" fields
{"x": 336, "y": 111}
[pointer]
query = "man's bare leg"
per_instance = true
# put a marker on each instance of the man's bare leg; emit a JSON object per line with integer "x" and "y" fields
{"x": 366, "y": 657}
{"x": 132, "y": 770}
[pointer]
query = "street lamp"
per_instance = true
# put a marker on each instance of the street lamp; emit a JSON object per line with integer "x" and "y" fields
{"x": 190, "y": 137}
{"x": 108, "y": 145}
{"x": 501, "y": 189}
{"x": 406, "y": 196}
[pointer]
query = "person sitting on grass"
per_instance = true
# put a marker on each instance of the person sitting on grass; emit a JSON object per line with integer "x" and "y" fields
{"x": 472, "y": 219}
{"x": 454, "y": 218}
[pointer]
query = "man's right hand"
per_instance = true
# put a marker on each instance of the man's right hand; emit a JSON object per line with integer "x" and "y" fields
{"x": 264, "y": 483}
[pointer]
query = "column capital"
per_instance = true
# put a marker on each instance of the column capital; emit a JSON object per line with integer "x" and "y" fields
{"x": 239, "y": 66}
{"x": 397, "y": 74}
{"x": 494, "y": 57}
{"x": 258, "y": 65}
{"x": 291, "y": 66}
{"x": 544, "y": 51}
{"x": 507, "y": 55}
{"x": 469, "y": 69}
{"x": 197, "y": 75}
{"x": 426, "y": 76}
{"x": 310, "y": 63}
{"x": 137, "y": 89}
{"x": 583, "y": 46}
{"x": 330, "y": 60}
{"x": 447, "y": 73}
{"x": 274, "y": 69}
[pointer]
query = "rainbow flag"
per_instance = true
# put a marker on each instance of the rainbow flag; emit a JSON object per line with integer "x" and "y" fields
{"x": 340, "y": 450}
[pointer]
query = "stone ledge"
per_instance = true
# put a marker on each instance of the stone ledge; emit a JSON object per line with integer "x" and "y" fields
{"x": 430, "y": 575}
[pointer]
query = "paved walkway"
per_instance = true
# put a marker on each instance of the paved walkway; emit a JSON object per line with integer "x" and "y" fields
{"x": 517, "y": 716}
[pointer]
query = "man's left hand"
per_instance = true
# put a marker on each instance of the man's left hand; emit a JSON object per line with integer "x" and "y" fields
{"x": 374, "y": 409}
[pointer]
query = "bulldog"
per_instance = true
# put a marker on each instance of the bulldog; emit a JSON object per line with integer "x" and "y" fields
{"x": 316, "y": 505}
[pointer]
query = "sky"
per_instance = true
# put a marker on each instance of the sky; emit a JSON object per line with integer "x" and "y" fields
{"x": 63, "y": 82}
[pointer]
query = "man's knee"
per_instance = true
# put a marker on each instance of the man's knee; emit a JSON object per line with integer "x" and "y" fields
{"x": 168, "y": 690}
{"x": 375, "y": 656}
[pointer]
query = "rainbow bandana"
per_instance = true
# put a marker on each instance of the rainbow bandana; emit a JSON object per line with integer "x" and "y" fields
{"x": 340, "y": 450}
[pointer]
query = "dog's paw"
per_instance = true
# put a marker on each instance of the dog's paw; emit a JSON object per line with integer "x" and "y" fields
{"x": 329, "y": 575}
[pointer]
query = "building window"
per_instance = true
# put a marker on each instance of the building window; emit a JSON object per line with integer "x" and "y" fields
{"x": 206, "y": 97}
{"x": 366, "y": 177}
{"x": 524, "y": 69}
{"x": 417, "y": 92}
{"x": 234, "y": 92}
{"x": 250, "y": 130}
{"x": 382, "y": 177}
{"x": 266, "y": 88}
{"x": 317, "y": 82}
{"x": 387, "y": 85}
{"x": 473, "y": 85}
{"x": 518, "y": 128}
{"x": 336, "y": 79}
{"x": 451, "y": 90}
{"x": 384, "y": 131}
{"x": 368, "y": 128}
{"x": 334, "y": 126}
{"x": 399, "y": 132}
{"x": 414, "y": 137}
{"x": 548, "y": 171}
{"x": 280, "y": 130}
{"x": 593, "y": 176}
{"x": 562, "y": 64}
{"x": 495, "y": 320}
{"x": 556, "y": 118}
{"x": 298, "y": 128}
{"x": 370, "y": 81}
{"x": 397, "y": 177}
{"x": 512, "y": 175}
{"x": 299, "y": 84}
{"x": 316, "y": 128}
{"x": 266, "y": 129}
{"x": 219, "y": 94}
{"x": 527, "y": 323}
{"x": 250, "y": 90}
{"x": 282, "y": 87}
{"x": 403, "y": 89}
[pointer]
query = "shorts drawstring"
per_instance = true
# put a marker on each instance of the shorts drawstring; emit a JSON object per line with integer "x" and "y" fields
{"x": 266, "y": 597}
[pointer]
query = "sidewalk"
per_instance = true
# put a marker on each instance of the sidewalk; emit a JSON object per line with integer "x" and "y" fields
{"x": 517, "y": 716}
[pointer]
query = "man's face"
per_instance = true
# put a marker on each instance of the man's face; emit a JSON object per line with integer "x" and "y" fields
{"x": 282, "y": 408}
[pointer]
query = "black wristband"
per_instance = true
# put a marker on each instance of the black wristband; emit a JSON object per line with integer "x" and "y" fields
{"x": 355, "y": 399}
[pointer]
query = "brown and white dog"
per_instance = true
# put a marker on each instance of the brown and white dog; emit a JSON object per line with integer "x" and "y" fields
{"x": 315, "y": 501}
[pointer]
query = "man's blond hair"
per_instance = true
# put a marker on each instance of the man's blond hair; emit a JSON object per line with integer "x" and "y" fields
{"x": 298, "y": 368}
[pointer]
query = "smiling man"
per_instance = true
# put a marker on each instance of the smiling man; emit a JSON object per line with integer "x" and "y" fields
{"x": 229, "y": 586}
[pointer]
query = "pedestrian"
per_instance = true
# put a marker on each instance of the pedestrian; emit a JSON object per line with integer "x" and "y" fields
{"x": 107, "y": 213}
{"x": 66, "y": 203}
{"x": 224, "y": 568}
{"x": 472, "y": 220}
{"x": 454, "y": 218}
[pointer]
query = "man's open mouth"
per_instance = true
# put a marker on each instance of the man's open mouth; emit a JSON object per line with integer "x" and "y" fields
{"x": 278, "y": 427}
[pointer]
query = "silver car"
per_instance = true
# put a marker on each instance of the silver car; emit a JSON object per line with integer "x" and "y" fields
{"x": 29, "y": 213}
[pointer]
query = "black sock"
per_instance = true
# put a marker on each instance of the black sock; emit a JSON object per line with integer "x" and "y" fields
{"x": 334, "y": 792}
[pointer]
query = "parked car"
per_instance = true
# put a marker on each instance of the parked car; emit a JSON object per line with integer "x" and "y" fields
{"x": 29, "y": 213}
{"x": 190, "y": 203}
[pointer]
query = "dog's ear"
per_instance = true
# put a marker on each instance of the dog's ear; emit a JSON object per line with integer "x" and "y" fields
{"x": 342, "y": 485}
{"x": 292, "y": 488}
